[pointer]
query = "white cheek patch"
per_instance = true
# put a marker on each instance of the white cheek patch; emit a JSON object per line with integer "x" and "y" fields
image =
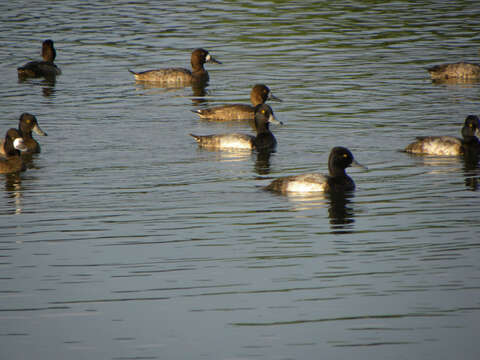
{"x": 19, "y": 144}
{"x": 208, "y": 58}
{"x": 303, "y": 186}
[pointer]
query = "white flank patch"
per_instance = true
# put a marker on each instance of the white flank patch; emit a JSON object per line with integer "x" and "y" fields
{"x": 442, "y": 146}
{"x": 235, "y": 143}
{"x": 302, "y": 186}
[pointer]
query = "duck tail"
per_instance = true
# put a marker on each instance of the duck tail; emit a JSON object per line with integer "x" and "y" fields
{"x": 133, "y": 72}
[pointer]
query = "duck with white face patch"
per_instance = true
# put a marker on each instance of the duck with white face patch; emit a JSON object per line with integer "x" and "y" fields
{"x": 11, "y": 161}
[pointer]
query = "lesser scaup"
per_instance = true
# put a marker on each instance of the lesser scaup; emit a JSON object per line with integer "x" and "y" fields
{"x": 11, "y": 161}
{"x": 264, "y": 140}
{"x": 45, "y": 68}
{"x": 180, "y": 76}
{"x": 26, "y": 124}
{"x": 460, "y": 70}
{"x": 449, "y": 145}
{"x": 337, "y": 180}
{"x": 259, "y": 94}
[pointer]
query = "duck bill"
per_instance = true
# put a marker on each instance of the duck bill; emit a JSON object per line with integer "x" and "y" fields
{"x": 211, "y": 59}
{"x": 19, "y": 144}
{"x": 355, "y": 163}
{"x": 274, "y": 98}
{"x": 273, "y": 120}
{"x": 39, "y": 131}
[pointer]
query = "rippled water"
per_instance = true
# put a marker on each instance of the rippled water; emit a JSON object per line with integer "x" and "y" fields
{"x": 123, "y": 240}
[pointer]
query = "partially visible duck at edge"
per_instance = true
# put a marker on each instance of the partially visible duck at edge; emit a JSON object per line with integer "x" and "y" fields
{"x": 26, "y": 124}
{"x": 45, "y": 68}
{"x": 180, "y": 76}
{"x": 259, "y": 95}
{"x": 336, "y": 181}
{"x": 450, "y": 145}
{"x": 11, "y": 161}
{"x": 263, "y": 141}
{"x": 459, "y": 71}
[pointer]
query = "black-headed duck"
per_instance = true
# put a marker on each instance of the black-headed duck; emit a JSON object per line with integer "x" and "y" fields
{"x": 259, "y": 94}
{"x": 11, "y": 161}
{"x": 460, "y": 70}
{"x": 263, "y": 141}
{"x": 449, "y": 145}
{"x": 26, "y": 124}
{"x": 179, "y": 76}
{"x": 45, "y": 68}
{"x": 336, "y": 181}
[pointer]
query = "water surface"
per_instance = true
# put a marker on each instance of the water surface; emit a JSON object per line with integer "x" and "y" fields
{"x": 123, "y": 240}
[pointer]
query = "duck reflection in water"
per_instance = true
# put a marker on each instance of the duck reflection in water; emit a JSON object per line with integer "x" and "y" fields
{"x": 340, "y": 212}
{"x": 262, "y": 164}
{"x": 13, "y": 190}
{"x": 471, "y": 171}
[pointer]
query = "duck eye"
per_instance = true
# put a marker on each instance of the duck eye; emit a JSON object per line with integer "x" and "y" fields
{"x": 345, "y": 155}
{"x": 263, "y": 111}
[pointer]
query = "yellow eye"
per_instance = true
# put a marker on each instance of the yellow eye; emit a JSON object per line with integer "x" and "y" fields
{"x": 345, "y": 155}
{"x": 263, "y": 111}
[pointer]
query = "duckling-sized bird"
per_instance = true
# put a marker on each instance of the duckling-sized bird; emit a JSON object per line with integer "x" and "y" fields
{"x": 336, "y": 181}
{"x": 259, "y": 94}
{"x": 45, "y": 68}
{"x": 26, "y": 124}
{"x": 11, "y": 161}
{"x": 177, "y": 77}
{"x": 263, "y": 141}
{"x": 449, "y": 145}
{"x": 460, "y": 70}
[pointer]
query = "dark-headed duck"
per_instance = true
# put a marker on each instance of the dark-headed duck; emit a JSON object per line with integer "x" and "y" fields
{"x": 45, "y": 68}
{"x": 449, "y": 145}
{"x": 337, "y": 180}
{"x": 263, "y": 141}
{"x": 259, "y": 94}
{"x": 176, "y": 77}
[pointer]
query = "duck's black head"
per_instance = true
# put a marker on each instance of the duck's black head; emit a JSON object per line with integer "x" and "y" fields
{"x": 471, "y": 127}
{"x": 48, "y": 51}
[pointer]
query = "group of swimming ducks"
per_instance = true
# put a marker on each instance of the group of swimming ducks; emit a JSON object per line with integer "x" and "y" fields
{"x": 259, "y": 114}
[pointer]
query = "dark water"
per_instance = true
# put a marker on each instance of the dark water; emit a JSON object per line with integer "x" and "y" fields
{"x": 123, "y": 240}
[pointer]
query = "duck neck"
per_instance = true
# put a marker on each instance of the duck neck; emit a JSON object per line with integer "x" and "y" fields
{"x": 262, "y": 127}
{"x": 197, "y": 68}
{"x": 335, "y": 171}
{"x": 26, "y": 133}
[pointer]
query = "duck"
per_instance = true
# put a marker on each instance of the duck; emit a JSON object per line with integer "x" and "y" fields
{"x": 459, "y": 70}
{"x": 259, "y": 94}
{"x": 11, "y": 161}
{"x": 336, "y": 181}
{"x": 180, "y": 76}
{"x": 263, "y": 141}
{"x": 449, "y": 145}
{"x": 44, "y": 68}
{"x": 26, "y": 124}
